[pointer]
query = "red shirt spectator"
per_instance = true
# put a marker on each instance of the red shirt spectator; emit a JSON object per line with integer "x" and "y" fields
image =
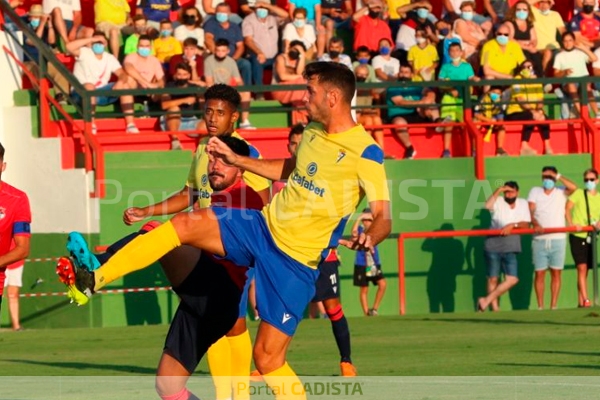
{"x": 192, "y": 54}
{"x": 370, "y": 29}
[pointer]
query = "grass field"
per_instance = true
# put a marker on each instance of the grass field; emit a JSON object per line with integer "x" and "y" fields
{"x": 474, "y": 344}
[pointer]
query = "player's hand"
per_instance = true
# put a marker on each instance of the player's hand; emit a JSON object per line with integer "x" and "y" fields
{"x": 133, "y": 215}
{"x": 217, "y": 149}
{"x": 360, "y": 242}
{"x": 507, "y": 230}
{"x": 538, "y": 228}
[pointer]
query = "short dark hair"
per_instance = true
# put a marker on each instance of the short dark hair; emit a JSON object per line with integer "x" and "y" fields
{"x": 184, "y": 66}
{"x": 567, "y": 33}
{"x": 144, "y": 37}
{"x": 297, "y": 129}
{"x": 454, "y": 44}
{"x": 407, "y": 66}
{"x": 336, "y": 39}
{"x": 1, "y": 152}
{"x": 335, "y": 74}
{"x": 512, "y": 184}
{"x": 297, "y": 43}
{"x": 222, "y": 42}
{"x": 166, "y": 21}
{"x": 238, "y": 146}
{"x": 363, "y": 49}
{"x": 99, "y": 33}
{"x": 550, "y": 168}
{"x": 587, "y": 171}
{"x": 190, "y": 42}
{"x": 140, "y": 17}
{"x": 225, "y": 93}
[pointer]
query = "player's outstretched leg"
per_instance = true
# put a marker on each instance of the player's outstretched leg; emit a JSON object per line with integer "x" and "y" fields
{"x": 341, "y": 332}
{"x": 80, "y": 281}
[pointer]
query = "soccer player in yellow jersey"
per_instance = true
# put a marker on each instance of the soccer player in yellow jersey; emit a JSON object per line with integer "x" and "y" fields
{"x": 337, "y": 163}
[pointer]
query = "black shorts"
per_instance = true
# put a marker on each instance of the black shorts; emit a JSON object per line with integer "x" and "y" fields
{"x": 413, "y": 118}
{"x": 208, "y": 309}
{"x": 328, "y": 283}
{"x": 581, "y": 250}
{"x": 361, "y": 279}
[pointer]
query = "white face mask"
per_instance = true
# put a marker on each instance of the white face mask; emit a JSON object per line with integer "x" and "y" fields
{"x": 421, "y": 40}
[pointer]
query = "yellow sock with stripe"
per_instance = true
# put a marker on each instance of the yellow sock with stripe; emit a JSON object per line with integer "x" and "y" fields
{"x": 219, "y": 364}
{"x": 138, "y": 254}
{"x": 241, "y": 358}
{"x": 285, "y": 384}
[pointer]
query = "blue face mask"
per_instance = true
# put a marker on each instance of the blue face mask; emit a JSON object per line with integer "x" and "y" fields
{"x": 222, "y": 17}
{"x": 467, "y": 15}
{"x": 502, "y": 40}
{"x": 590, "y": 185}
{"x": 384, "y": 51}
{"x": 262, "y": 13}
{"x": 98, "y": 48}
{"x": 144, "y": 51}
{"x": 165, "y": 33}
{"x": 363, "y": 61}
{"x": 494, "y": 96}
{"x": 522, "y": 15}
{"x": 444, "y": 31}
{"x": 34, "y": 23}
{"x": 548, "y": 184}
{"x": 423, "y": 13}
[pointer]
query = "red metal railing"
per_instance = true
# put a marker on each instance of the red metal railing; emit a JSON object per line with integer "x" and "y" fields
{"x": 480, "y": 232}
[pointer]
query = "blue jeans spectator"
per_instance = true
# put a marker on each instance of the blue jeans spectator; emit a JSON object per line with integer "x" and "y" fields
{"x": 258, "y": 69}
{"x": 245, "y": 70}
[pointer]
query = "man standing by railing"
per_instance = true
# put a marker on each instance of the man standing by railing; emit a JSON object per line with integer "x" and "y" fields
{"x": 547, "y": 207}
{"x": 508, "y": 213}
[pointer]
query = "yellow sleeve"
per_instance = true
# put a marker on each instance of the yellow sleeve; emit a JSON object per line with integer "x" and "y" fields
{"x": 256, "y": 182}
{"x": 371, "y": 174}
{"x": 191, "y": 179}
{"x": 411, "y": 54}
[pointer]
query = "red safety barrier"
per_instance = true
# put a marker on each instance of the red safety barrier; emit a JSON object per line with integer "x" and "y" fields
{"x": 444, "y": 234}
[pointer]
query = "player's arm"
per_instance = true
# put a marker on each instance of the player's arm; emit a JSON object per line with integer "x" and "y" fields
{"x": 177, "y": 202}
{"x": 271, "y": 169}
{"x": 18, "y": 253}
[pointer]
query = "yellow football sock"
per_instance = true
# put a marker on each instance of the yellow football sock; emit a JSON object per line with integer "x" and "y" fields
{"x": 241, "y": 358}
{"x": 219, "y": 364}
{"x": 285, "y": 384}
{"x": 138, "y": 254}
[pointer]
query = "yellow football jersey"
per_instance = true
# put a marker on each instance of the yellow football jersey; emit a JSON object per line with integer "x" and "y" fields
{"x": 198, "y": 175}
{"x": 333, "y": 173}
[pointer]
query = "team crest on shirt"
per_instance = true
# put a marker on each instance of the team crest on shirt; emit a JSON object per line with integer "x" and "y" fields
{"x": 340, "y": 156}
{"x": 311, "y": 169}
{"x": 2, "y": 212}
{"x": 204, "y": 180}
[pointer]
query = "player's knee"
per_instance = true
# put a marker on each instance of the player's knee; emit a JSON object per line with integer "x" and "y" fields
{"x": 266, "y": 361}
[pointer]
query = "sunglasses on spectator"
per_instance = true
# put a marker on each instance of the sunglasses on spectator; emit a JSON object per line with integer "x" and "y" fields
{"x": 528, "y": 67}
{"x": 547, "y": 177}
{"x": 589, "y": 180}
{"x": 501, "y": 34}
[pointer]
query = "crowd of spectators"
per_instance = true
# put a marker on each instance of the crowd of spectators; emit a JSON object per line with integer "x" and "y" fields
{"x": 391, "y": 41}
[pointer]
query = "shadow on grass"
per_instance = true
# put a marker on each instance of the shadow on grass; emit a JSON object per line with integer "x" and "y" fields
{"x": 80, "y": 366}
{"x": 576, "y": 366}
{"x": 501, "y": 321}
{"x": 571, "y": 353}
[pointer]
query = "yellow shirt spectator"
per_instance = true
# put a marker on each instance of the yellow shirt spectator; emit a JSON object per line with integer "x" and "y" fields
{"x": 421, "y": 58}
{"x": 503, "y": 61}
{"x": 545, "y": 27}
{"x": 167, "y": 47}
{"x": 525, "y": 93}
{"x": 393, "y": 6}
{"x": 113, "y": 11}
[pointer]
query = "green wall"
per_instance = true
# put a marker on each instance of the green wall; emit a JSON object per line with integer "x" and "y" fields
{"x": 441, "y": 274}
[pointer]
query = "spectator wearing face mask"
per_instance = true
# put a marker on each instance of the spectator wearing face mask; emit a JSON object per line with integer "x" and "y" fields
{"x": 140, "y": 27}
{"x": 370, "y": 28}
{"x": 289, "y": 70}
{"x": 519, "y": 21}
{"x": 473, "y": 35}
{"x": 586, "y": 25}
{"x": 298, "y": 29}
{"x": 423, "y": 57}
{"x": 336, "y": 53}
{"x": 191, "y": 22}
{"x": 548, "y": 24}
{"x": 363, "y": 57}
{"x": 261, "y": 37}
{"x": 491, "y": 114}
{"x": 192, "y": 56}
{"x": 112, "y": 17}
{"x": 447, "y": 38}
{"x": 166, "y": 46}
{"x": 501, "y": 56}
{"x": 386, "y": 67}
{"x": 145, "y": 70}
{"x": 417, "y": 18}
